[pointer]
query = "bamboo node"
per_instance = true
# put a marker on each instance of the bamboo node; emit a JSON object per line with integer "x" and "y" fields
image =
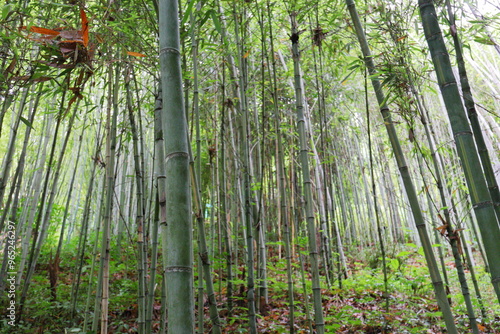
{"x": 169, "y": 50}
{"x": 178, "y": 269}
{"x": 482, "y": 205}
{"x": 175, "y": 155}
{"x": 463, "y": 133}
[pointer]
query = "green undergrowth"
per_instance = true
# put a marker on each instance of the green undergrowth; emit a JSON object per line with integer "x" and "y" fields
{"x": 358, "y": 304}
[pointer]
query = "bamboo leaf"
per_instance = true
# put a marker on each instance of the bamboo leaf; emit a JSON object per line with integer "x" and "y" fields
{"x": 484, "y": 40}
{"x": 442, "y": 229}
{"x": 25, "y": 121}
{"x": 5, "y": 11}
{"x": 85, "y": 27}
{"x": 204, "y": 19}
{"x": 44, "y": 31}
{"x": 216, "y": 22}
{"x": 187, "y": 12}
{"x": 135, "y": 54}
{"x": 344, "y": 81}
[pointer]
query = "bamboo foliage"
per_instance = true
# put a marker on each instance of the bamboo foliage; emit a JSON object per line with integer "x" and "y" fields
{"x": 447, "y": 226}
{"x": 403, "y": 169}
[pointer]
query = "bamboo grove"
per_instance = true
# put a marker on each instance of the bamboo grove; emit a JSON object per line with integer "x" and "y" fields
{"x": 225, "y": 148}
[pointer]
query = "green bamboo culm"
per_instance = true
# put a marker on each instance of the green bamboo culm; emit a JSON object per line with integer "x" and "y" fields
{"x": 177, "y": 237}
{"x": 280, "y": 179}
{"x": 437, "y": 282}
{"x": 464, "y": 140}
{"x": 306, "y": 179}
{"x": 470, "y": 106}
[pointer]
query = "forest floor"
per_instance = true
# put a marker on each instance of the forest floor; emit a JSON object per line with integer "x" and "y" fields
{"x": 357, "y": 306}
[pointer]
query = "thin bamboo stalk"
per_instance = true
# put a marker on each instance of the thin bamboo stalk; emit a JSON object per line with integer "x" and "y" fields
{"x": 441, "y": 295}
{"x": 466, "y": 149}
{"x": 306, "y": 178}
